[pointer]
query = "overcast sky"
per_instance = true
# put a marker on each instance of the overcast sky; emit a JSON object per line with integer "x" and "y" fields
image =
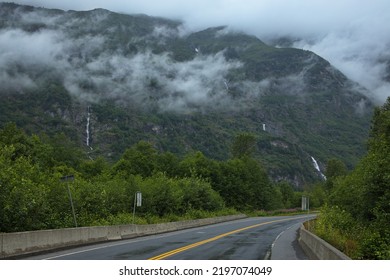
{"x": 354, "y": 35}
{"x": 258, "y": 16}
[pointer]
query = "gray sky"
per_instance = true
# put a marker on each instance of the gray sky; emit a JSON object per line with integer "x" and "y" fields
{"x": 256, "y": 16}
{"x": 354, "y": 35}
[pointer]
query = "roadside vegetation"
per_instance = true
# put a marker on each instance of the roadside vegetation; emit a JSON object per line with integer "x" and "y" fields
{"x": 355, "y": 208}
{"x": 355, "y": 216}
{"x": 35, "y": 196}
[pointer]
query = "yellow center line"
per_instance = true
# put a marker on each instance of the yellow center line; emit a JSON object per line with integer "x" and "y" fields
{"x": 188, "y": 247}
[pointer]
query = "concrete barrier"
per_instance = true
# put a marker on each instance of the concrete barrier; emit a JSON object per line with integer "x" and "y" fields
{"x": 318, "y": 249}
{"x": 22, "y": 243}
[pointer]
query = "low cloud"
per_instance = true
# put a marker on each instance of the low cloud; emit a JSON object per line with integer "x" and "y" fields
{"x": 354, "y": 38}
{"x": 19, "y": 46}
{"x": 15, "y": 83}
{"x": 147, "y": 77}
{"x": 24, "y": 57}
{"x": 359, "y": 57}
{"x": 92, "y": 72}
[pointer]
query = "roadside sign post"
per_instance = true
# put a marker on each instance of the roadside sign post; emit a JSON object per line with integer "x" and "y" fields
{"x": 137, "y": 202}
{"x": 67, "y": 179}
{"x": 305, "y": 203}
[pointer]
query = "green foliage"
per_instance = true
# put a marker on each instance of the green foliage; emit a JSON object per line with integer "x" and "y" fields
{"x": 318, "y": 195}
{"x": 198, "y": 165}
{"x": 33, "y": 196}
{"x": 376, "y": 245}
{"x": 94, "y": 168}
{"x": 139, "y": 159}
{"x": 366, "y": 190}
{"x": 22, "y": 189}
{"x": 340, "y": 229}
{"x": 167, "y": 163}
{"x": 287, "y": 195}
{"x": 11, "y": 135}
{"x": 244, "y": 185}
{"x": 360, "y": 200}
{"x": 198, "y": 194}
{"x": 355, "y": 238}
{"x": 244, "y": 145}
{"x": 162, "y": 195}
{"x": 335, "y": 168}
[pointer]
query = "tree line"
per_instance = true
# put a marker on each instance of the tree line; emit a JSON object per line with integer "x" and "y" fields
{"x": 33, "y": 196}
{"x": 355, "y": 216}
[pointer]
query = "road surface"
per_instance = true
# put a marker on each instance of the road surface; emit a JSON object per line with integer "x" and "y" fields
{"x": 245, "y": 239}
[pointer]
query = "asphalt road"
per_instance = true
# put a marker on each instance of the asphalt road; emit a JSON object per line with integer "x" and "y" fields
{"x": 245, "y": 239}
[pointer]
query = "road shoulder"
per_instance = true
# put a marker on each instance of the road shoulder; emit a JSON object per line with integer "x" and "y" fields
{"x": 286, "y": 246}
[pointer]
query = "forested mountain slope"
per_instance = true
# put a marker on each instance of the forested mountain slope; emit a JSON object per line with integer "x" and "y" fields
{"x": 109, "y": 80}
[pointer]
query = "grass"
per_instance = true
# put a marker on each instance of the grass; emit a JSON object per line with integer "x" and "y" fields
{"x": 346, "y": 243}
{"x": 127, "y": 218}
{"x": 278, "y": 212}
{"x": 355, "y": 239}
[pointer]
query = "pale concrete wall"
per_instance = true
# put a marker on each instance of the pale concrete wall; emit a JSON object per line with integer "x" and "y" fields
{"x": 318, "y": 249}
{"x": 19, "y": 243}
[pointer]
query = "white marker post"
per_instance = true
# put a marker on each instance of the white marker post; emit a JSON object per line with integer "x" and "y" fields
{"x": 137, "y": 202}
{"x": 305, "y": 203}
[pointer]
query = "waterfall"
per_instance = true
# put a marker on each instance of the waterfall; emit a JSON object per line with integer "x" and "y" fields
{"x": 87, "y": 129}
{"x": 317, "y": 167}
{"x": 226, "y": 84}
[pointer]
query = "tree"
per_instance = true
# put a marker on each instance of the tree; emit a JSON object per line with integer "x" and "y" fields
{"x": 334, "y": 168}
{"x": 168, "y": 163}
{"x": 365, "y": 193}
{"x": 198, "y": 165}
{"x": 244, "y": 145}
{"x": 138, "y": 160}
{"x": 317, "y": 195}
{"x": 244, "y": 185}
{"x": 199, "y": 195}
{"x": 23, "y": 190}
{"x": 65, "y": 151}
{"x": 375, "y": 167}
{"x": 287, "y": 193}
{"x": 162, "y": 195}
{"x": 93, "y": 168}
{"x": 12, "y": 135}
{"x": 31, "y": 147}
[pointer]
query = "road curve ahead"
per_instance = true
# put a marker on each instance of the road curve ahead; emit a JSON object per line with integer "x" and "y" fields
{"x": 246, "y": 239}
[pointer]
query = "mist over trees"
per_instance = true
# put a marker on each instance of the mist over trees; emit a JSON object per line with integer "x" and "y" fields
{"x": 137, "y": 77}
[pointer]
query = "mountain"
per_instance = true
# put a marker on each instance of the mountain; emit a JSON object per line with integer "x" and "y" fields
{"x": 109, "y": 80}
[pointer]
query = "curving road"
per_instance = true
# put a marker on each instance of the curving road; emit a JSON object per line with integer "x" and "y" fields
{"x": 246, "y": 239}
